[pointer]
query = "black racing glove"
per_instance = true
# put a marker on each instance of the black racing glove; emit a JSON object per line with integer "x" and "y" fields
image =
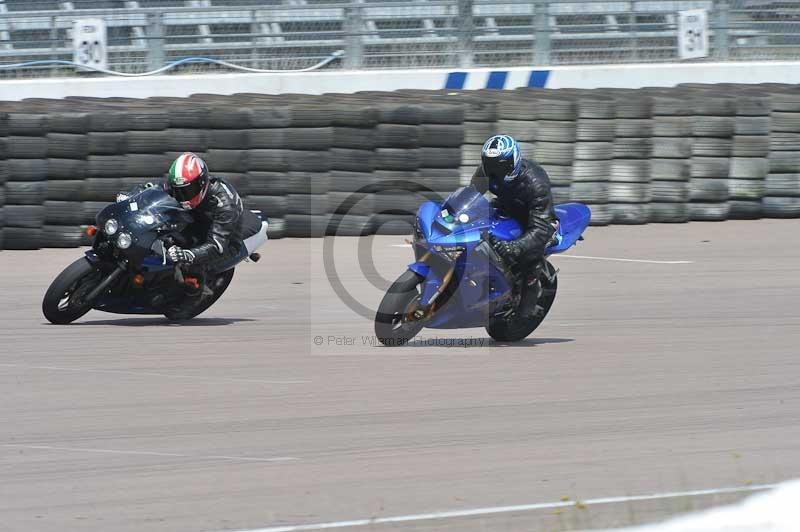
{"x": 180, "y": 255}
{"x": 509, "y": 250}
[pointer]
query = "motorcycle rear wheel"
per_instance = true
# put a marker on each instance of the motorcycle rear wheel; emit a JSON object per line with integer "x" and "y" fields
{"x": 60, "y": 306}
{"x": 219, "y": 284}
{"x": 391, "y": 327}
{"x": 516, "y": 328}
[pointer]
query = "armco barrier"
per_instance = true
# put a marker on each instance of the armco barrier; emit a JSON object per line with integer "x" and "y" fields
{"x": 357, "y": 164}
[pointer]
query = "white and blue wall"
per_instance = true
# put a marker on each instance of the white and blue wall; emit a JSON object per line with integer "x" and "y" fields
{"x": 581, "y": 77}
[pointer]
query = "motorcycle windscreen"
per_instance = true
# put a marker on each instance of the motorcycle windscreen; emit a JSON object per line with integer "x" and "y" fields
{"x": 465, "y": 205}
{"x": 152, "y": 207}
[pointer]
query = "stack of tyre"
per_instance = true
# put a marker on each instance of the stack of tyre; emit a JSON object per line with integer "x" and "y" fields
{"x": 520, "y": 118}
{"x": 126, "y": 145}
{"x": 3, "y": 171}
{"x": 188, "y": 128}
{"x": 441, "y": 134}
{"x": 466, "y": 119}
{"x": 713, "y": 126}
{"x": 362, "y": 163}
{"x": 479, "y": 114}
{"x": 570, "y": 129}
{"x": 749, "y": 162}
{"x": 66, "y": 216}
{"x": 398, "y": 158}
{"x": 782, "y": 193}
{"x": 307, "y": 157}
{"x": 517, "y": 116}
{"x": 351, "y": 202}
{"x": 244, "y": 142}
{"x": 550, "y": 137}
{"x": 481, "y": 122}
{"x": 670, "y": 163}
{"x": 631, "y": 172}
{"x": 25, "y": 187}
{"x": 229, "y": 129}
{"x": 594, "y": 163}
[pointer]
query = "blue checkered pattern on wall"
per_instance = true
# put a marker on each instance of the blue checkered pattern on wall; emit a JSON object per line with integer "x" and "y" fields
{"x": 496, "y": 79}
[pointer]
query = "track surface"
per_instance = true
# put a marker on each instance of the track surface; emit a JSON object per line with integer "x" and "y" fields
{"x": 645, "y": 378}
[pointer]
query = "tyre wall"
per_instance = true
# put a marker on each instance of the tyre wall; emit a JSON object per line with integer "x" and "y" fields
{"x": 358, "y": 164}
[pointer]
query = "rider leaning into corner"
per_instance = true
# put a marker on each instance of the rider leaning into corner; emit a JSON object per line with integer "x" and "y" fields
{"x": 522, "y": 192}
{"x": 220, "y": 218}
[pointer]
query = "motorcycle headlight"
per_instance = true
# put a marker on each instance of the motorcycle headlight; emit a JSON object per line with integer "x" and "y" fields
{"x": 450, "y": 252}
{"x": 111, "y": 227}
{"x": 124, "y": 241}
{"x": 147, "y": 219}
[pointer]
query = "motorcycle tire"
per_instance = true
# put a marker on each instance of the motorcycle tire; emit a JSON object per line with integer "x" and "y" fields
{"x": 56, "y": 305}
{"x": 390, "y": 328}
{"x": 516, "y": 328}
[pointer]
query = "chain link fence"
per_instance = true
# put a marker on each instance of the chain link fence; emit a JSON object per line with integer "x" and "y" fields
{"x": 288, "y": 35}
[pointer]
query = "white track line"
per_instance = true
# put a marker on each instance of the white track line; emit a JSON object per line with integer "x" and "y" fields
{"x": 149, "y": 374}
{"x": 147, "y": 453}
{"x": 627, "y": 260}
{"x": 615, "y": 259}
{"x": 507, "y": 509}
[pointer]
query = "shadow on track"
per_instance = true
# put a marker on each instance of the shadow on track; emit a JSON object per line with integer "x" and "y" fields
{"x": 478, "y": 343}
{"x": 164, "y": 322}
{"x": 530, "y": 342}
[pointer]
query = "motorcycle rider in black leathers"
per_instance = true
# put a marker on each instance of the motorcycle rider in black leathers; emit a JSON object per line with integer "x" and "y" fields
{"x": 213, "y": 202}
{"x": 522, "y": 192}
{"x": 220, "y": 218}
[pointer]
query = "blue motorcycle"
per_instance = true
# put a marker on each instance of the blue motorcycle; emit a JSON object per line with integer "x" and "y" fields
{"x": 459, "y": 280}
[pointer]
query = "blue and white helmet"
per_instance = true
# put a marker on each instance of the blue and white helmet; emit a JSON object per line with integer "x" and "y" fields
{"x": 501, "y": 158}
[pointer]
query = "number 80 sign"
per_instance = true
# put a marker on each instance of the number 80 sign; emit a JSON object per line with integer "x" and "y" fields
{"x": 89, "y": 42}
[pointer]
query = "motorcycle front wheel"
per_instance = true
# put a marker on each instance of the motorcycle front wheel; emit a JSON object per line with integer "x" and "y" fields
{"x": 62, "y": 303}
{"x": 392, "y": 326}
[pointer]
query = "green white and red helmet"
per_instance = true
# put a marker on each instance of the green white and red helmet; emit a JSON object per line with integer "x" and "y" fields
{"x": 188, "y": 180}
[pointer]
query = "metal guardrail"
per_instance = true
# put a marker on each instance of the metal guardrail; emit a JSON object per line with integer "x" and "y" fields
{"x": 418, "y": 34}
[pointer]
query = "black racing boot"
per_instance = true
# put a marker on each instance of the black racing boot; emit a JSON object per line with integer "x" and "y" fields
{"x": 196, "y": 291}
{"x": 531, "y": 289}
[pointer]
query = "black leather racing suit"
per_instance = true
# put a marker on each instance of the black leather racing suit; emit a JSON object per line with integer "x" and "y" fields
{"x": 528, "y": 200}
{"x": 219, "y": 216}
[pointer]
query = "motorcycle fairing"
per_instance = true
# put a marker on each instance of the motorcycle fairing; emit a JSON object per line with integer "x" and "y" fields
{"x": 573, "y": 220}
{"x": 483, "y": 286}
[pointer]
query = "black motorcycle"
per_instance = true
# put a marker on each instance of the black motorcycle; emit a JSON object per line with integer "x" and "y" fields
{"x": 127, "y": 270}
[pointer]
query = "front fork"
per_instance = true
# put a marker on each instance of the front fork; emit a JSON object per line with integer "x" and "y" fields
{"x": 106, "y": 283}
{"x": 431, "y": 290}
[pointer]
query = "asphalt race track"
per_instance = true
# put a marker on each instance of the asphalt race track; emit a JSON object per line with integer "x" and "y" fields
{"x": 648, "y": 378}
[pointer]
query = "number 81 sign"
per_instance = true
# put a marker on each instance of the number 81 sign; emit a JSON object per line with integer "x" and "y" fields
{"x": 693, "y": 34}
{"x": 89, "y": 42}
